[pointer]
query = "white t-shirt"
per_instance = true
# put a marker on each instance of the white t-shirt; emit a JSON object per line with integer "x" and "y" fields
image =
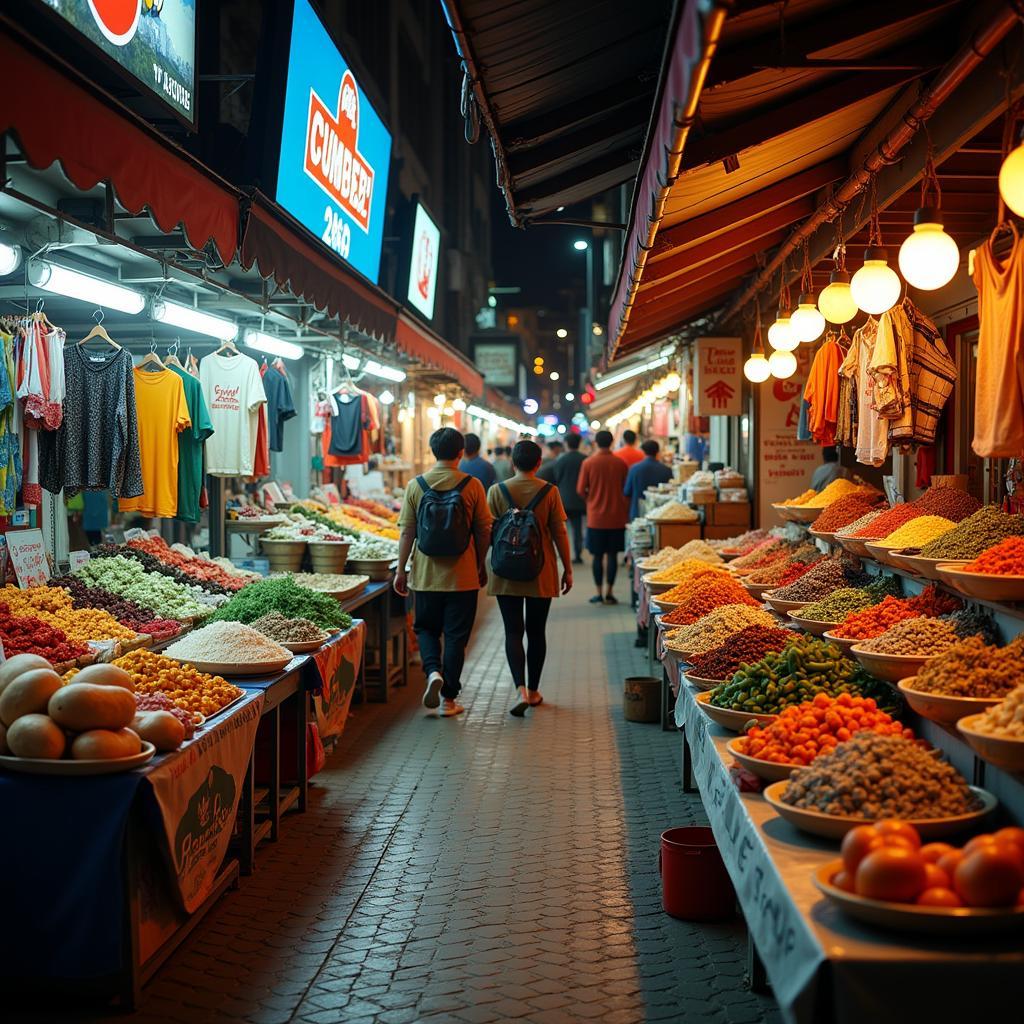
{"x": 233, "y": 389}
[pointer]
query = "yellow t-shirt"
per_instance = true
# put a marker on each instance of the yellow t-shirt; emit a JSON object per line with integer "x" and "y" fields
{"x": 460, "y": 571}
{"x": 162, "y": 414}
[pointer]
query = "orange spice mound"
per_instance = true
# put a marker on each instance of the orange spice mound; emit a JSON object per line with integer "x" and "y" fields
{"x": 874, "y": 621}
{"x": 1004, "y": 559}
{"x": 697, "y": 597}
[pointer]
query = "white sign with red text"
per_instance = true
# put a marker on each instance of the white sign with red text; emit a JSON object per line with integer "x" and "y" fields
{"x": 718, "y": 377}
{"x": 28, "y": 556}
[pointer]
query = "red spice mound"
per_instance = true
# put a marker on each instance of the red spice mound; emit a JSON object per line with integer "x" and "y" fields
{"x": 25, "y": 634}
{"x": 1005, "y": 559}
{"x": 197, "y": 568}
{"x": 743, "y": 648}
{"x": 845, "y": 511}
{"x": 947, "y": 502}
{"x": 889, "y": 521}
{"x": 780, "y": 574}
{"x": 874, "y": 621}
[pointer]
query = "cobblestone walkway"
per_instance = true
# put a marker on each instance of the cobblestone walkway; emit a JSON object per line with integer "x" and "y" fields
{"x": 482, "y": 869}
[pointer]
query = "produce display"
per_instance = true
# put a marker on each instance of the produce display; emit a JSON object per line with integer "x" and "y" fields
{"x": 918, "y": 532}
{"x": 824, "y": 577}
{"x": 853, "y": 529}
{"x": 716, "y": 627}
{"x": 875, "y": 776}
{"x": 54, "y": 607}
{"x": 887, "y": 861}
{"x": 846, "y": 510}
{"x": 918, "y": 636}
{"x": 25, "y": 634}
{"x": 781, "y": 679}
{"x": 300, "y": 529}
{"x": 369, "y": 548}
{"x": 1006, "y": 719}
{"x": 282, "y": 594}
{"x": 838, "y": 488}
{"x": 745, "y": 542}
{"x": 128, "y": 613}
{"x": 687, "y": 569}
{"x": 185, "y": 687}
{"x": 886, "y": 523}
{"x": 375, "y": 508}
{"x": 128, "y": 578}
{"x": 313, "y": 514}
{"x": 973, "y": 668}
{"x": 203, "y": 590}
{"x": 801, "y": 732}
{"x": 975, "y": 534}
{"x": 675, "y": 512}
{"x": 1003, "y": 559}
{"x": 198, "y": 569}
{"x": 161, "y": 702}
{"x": 285, "y": 630}
{"x": 761, "y": 554}
{"x": 785, "y": 570}
{"x": 230, "y": 643}
{"x": 948, "y": 502}
{"x": 743, "y": 648}
{"x": 837, "y": 605}
{"x": 663, "y": 559}
{"x": 874, "y": 621}
{"x": 703, "y": 594}
{"x": 329, "y": 582}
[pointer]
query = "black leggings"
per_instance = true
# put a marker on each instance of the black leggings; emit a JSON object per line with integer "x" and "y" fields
{"x": 605, "y": 567}
{"x": 534, "y": 623}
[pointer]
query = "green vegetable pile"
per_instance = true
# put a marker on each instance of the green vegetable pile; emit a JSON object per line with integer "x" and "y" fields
{"x": 282, "y": 594}
{"x": 128, "y": 578}
{"x": 837, "y": 605}
{"x": 318, "y": 517}
{"x": 781, "y": 679}
{"x": 883, "y": 587}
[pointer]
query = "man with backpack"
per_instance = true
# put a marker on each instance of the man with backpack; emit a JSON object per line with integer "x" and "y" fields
{"x": 529, "y": 529}
{"x": 446, "y": 529}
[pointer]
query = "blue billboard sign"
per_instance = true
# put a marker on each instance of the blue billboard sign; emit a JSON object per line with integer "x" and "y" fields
{"x": 335, "y": 151}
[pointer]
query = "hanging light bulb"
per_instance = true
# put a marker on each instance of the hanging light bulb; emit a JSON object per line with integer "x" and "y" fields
{"x": 928, "y": 256}
{"x": 1011, "y": 181}
{"x": 807, "y": 323}
{"x": 782, "y": 365}
{"x": 672, "y": 381}
{"x": 876, "y": 286}
{"x": 756, "y": 369}
{"x": 780, "y": 334}
{"x": 836, "y": 301}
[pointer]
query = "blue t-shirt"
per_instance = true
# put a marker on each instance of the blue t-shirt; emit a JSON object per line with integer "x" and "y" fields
{"x": 479, "y": 467}
{"x": 647, "y": 473}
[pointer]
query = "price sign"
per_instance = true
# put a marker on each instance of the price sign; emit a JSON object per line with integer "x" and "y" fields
{"x": 78, "y": 559}
{"x": 28, "y": 556}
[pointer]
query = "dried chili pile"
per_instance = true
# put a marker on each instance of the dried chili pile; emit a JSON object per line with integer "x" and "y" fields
{"x": 742, "y": 648}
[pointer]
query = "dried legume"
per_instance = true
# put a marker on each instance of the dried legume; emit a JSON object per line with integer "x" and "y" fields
{"x": 822, "y": 579}
{"x": 887, "y": 522}
{"x": 837, "y": 605}
{"x": 1005, "y": 720}
{"x": 742, "y": 648}
{"x": 716, "y": 627}
{"x": 978, "y": 532}
{"x": 948, "y": 502}
{"x": 973, "y": 669}
{"x": 918, "y": 636}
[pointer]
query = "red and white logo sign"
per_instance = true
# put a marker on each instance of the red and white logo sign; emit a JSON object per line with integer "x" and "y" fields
{"x": 426, "y": 262}
{"x": 118, "y": 20}
{"x": 333, "y": 159}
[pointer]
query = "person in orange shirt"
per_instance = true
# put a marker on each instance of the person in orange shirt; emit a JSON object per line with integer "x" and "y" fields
{"x": 629, "y": 452}
{"x": 600, "y": 484}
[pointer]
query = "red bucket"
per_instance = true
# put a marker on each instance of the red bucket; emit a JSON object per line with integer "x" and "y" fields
{"x": 694, "y": 883}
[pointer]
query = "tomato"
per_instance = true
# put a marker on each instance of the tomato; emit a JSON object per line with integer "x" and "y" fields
{"x": 935, "y": 877}
{"x": 857, "y": 844}
{"x": 949, "y": 861}
{"x": 1012, "y": 834}
{"x": 982, "y": 839}
{"x": 939, "y": 896}
{"x": 843, "y": 880}
{"x": 988, "y": 876}
{"x": 933, "y": 851}
{"x": 891, "y": 873}
{"x": 894, "y": 827}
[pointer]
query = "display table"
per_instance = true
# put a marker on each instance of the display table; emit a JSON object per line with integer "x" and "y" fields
{"x": 823, "y": 967}
{"x": 384, "y": 611}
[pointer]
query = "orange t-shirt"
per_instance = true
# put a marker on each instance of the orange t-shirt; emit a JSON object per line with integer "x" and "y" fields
{"x": 162, "y": 413}
{"x": 822, "y": 393}
{"x": 629, "y": 454}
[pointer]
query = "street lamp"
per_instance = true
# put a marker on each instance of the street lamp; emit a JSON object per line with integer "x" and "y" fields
{"x": 584, "y": 334}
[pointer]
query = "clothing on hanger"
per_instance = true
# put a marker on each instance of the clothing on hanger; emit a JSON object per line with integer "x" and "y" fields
{"x": 233, "y": 390}
{"x": 190, "y": 449}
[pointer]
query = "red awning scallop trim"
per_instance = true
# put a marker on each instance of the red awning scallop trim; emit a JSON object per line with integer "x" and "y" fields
{"x": 420, "y": 342}
{"x": 57, "y": 120}
{"x": 280, "y": 251}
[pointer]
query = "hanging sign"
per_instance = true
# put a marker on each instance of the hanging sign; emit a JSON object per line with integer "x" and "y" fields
{"x": 784, "y": 464}
{"x": 497, "y": 361}
{"x": 335, "y": 151}
{"x": 718, "y": 377}
{"x": 426, "y": 247}
{"x": 28, "y": 556}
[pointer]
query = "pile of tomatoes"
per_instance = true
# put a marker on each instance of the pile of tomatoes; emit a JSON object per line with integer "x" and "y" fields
{"x": 886, "y": 861}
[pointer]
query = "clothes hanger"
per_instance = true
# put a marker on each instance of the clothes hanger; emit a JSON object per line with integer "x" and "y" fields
{"x": 151, "y": 358}
{"x": 98, "y": 332}
{"x": 172, "y": 354}
{"x": 229, "y": 347}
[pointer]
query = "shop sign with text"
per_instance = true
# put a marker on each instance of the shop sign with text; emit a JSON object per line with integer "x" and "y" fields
{"x": 497, "y": 362}
{"x": 335, "y": 151}
{"x": 426, "y": 246}
{"x": 718, "y": 377}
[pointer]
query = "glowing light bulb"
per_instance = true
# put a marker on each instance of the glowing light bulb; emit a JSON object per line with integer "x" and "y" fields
{"x": 806, "y": 323}
{"x": 876, "y": 286}
{"x": 756, "y": 368}
{"x": 835, "y": 301}
{"x": 673, "y": 381}
{"x": 782, "y": 364}
{"x": 928, "y": 256}
{"x": 780, "y": 334}
{"x": 1011, "y": 181}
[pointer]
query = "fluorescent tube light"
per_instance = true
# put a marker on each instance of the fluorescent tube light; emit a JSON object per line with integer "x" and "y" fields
{"x": 190, "y": 319}
{"x": 618, "y": 378}
{"x": 274, "y": 346}
{"x": 375, "y": 369}
{"x": 84, "y": 287}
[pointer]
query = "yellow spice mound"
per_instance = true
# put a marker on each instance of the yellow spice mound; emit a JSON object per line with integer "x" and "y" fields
{"x": 918, "y": 532}
{"x": 835, "y": 490}
{"x": 801, "y": 499}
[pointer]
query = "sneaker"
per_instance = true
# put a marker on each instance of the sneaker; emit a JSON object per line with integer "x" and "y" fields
{"x": 450, "y": 708}
{"x": 518, "y": 710}
{"x": 610, "y": 600}
{"x": 432, "y": 696}
{"x": 534, "y": 697}
{"x": 597, "y": 599}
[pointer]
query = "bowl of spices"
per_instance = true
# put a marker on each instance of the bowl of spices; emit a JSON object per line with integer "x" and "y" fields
{"x": 997, "y": 574}
{"x": 905, "y": 648}
{"x": 997, "y": 734}
{"x": 300, "y": 636}
{"x": 230, "y": 648}
{"x": 911, "y": 560}
{"x": 939, "y": 707}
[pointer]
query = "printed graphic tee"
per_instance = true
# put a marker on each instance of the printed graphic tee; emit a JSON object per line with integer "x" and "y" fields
{"x": 233, "y": 390}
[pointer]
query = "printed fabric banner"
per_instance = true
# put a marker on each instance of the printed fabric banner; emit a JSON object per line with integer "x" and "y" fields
{"x": 198, "y": 793}
{"x": 337, "y": 668}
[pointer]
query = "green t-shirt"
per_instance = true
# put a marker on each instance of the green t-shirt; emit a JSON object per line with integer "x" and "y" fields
{"x": 190, "y": 449}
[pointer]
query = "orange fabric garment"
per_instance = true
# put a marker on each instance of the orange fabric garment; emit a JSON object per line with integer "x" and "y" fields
{"x": 601, "y": 484}
{"x": 999, "y": 387}
{"x": 821, "y": 393}
{"x": 162, "y": 413}
{"x": 629, "y": 454}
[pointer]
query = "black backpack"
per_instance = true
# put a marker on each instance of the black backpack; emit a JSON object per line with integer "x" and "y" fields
{"x": 517, "y": 546}
{"x": 442, "y": 521}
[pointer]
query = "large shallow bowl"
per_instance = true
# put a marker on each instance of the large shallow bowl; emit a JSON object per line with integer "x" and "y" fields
{"x": 665, "y": 606}
{"x": 882, "y": 553}
{"x": 982, "y": 585}
{"x": 66, "y": 766}
{"x": 890, "y": 667}
{"x": 734, "y": 721}
{"x": 680, "y": 655}
{"x": 303, "y": 646}
{"x": 939, "y": 707}
{"x": 919, "y": 565}
{"x": 907, "y": 917}
{"x": 1004, "y": 753}
{"x": 756, "y": 590}
{"x": 812, "y": 625}
{"x": 784, "y": 512}
{"x": 238, "y": 668}
{"x": 770, "y": 771}
{"x": 828, "y": 538}
{"x": 805, "y": 513}
{"x": 780, "y": 605}
{"x": 855, "y": 545}
{"x": 841, "y": 642}
{"x": 657, "y": 588}
{"x": 833, "y": 826}
{"x": 700, "y": 683}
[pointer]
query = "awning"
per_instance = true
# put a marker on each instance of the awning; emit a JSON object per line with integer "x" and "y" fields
{"x": 278, "y": 248}
{"x": 564, "y": 87}
{"x": 417, "y": 340}
{"x": 55, "y": 118}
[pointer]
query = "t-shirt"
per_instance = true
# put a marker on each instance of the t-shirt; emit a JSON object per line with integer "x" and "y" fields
{"x": 646, "y": 473}
{"x": 458, "y": 572}
{"x": 602, "y": 482}
{"x": 280, "y": 405}
{"x": 162, "y": 413}
{"x": 233, "y": 390}
{"x": 190, "y": 448}
{"x": 479, "y": 467}
{"x": 629, "y": 455}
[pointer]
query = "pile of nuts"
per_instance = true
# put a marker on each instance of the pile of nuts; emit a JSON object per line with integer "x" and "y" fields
{"x": 874, "y": 776}
{"x": 1005, "y": 720}
{"x": 947, "y": 502}
{"x": 921, "y": 636}
{"x": 828, "y": 575}
{"x": 973, "y": 669}
{"x": 716, "y": 627}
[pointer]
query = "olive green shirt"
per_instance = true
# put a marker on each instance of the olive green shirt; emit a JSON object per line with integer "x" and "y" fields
{"x": 550, "y": 517}
{"x": 458, "y": 572}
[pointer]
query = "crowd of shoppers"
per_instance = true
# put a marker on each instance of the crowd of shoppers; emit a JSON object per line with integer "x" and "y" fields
{"x": 467, "y": 523}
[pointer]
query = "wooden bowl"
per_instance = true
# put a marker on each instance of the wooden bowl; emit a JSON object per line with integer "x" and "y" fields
{"x": 1004, "y": 753}
{"x": 770, "y": 771}
{"x": 805, "y": 513}
{"x": 784, "y": 512}
{"x": 828, "y": 538}
{"x": 882, "y": 553}
{"x": 921, "y": 566}
{"x": 842, "y": 642}
{"x": 783, "y": 606}
{"x": 700, "y": 683}
{"x": 834, "y": 826}
{"x": 665, "y": 606}
{"x": 855, "y": 545}
{"x": 890, "y": 667}
{"x": 734, "y": 721}
{"x": 655, "y": 587}
{"x": 812, "y": 625}
{"x": 756, "y": 590}
{"x": 984, "y": 586}
{"x": 940, "y": 707}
